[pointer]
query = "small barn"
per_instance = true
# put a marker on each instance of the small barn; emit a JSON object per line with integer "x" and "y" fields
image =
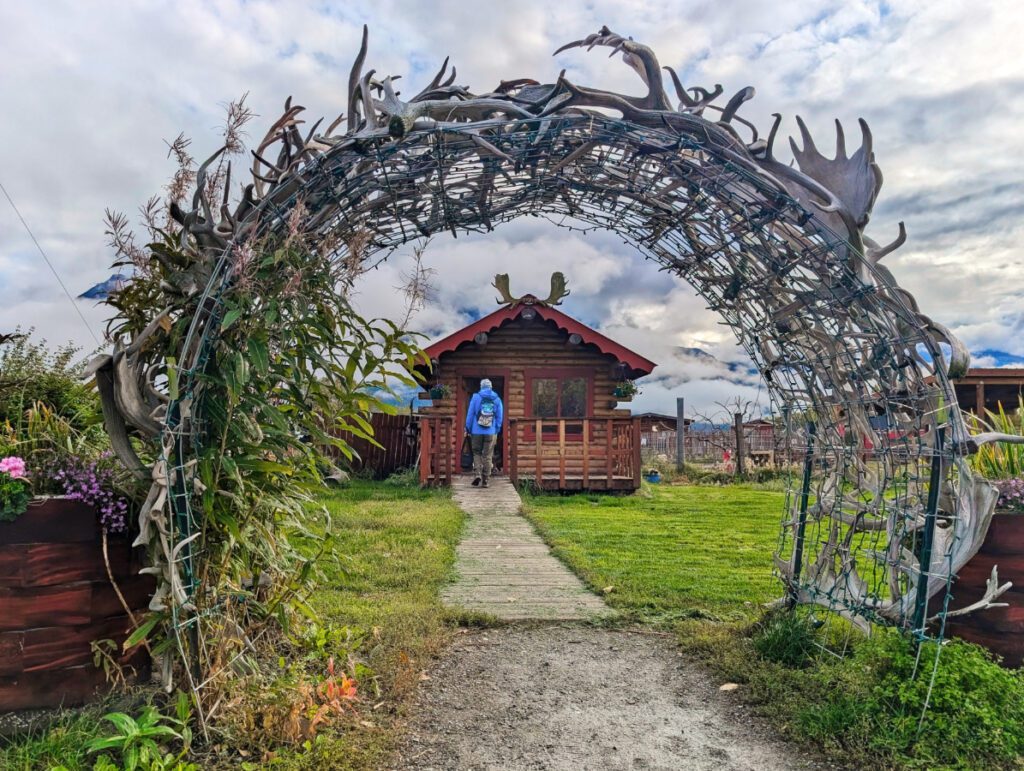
{"x": 563, "y": 385}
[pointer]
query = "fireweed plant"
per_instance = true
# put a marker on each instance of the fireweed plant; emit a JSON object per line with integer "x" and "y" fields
{"x": 294, "y": 371}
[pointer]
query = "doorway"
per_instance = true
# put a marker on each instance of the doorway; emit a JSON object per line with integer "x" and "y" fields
{"x": 469, "y": 385}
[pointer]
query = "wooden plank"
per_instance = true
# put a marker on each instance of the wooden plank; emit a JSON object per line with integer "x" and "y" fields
{"x": 61, "y": 647}
{"x": 635, "y": 460}
{"x": 425, "y": 451}
{"x": 11, "y": 646}
{"x": 539, "y": 439}
{"x": 561, "y": 452}
{"x": 54, "y": 520}
{"x": 445, "y": 442}
{"x": 611, "y": 448}
{"x": 513, "y": 461}
{"x": 137, "y": 591}
{"x": 47, "y": 564}
{"x": 24, "y": 608}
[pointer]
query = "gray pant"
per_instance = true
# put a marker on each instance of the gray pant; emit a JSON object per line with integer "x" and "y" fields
{"x": 483, "y": 453}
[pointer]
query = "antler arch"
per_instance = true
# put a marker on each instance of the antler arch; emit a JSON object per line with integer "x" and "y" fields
{"x": 779, "y": 252}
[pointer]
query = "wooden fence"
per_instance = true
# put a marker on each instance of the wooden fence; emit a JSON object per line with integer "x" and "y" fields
{"x": 763, "y": 447}
{"x": 398, "y": 437}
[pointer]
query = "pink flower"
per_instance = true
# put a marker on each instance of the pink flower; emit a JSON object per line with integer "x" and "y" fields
{"x": 13, "y": 466}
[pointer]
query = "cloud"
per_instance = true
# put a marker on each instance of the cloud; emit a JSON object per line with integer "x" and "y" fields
{"x": 92, "y": 90}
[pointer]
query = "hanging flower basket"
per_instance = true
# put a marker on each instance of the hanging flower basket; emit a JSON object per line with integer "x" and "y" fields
{"x": 440, "y": 391}
{"x": 626, "y": 390}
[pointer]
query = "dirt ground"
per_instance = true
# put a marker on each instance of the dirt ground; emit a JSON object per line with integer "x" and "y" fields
{"x": 569, "y": 696}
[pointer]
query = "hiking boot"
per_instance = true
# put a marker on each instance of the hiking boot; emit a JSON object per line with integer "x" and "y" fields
{"x": 484, "y": 483}
{"x": 476, "y": 482}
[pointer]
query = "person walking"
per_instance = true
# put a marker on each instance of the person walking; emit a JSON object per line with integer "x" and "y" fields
{"x": 483, "y": 424}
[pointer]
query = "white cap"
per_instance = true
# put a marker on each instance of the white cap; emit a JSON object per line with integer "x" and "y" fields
{"x": 485, "y": 383}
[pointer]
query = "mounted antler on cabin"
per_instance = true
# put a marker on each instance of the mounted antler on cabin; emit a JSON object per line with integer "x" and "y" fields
{"x": 558, "y": 290}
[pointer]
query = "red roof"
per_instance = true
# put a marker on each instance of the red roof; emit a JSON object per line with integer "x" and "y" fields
{"x": 637, "y": 363}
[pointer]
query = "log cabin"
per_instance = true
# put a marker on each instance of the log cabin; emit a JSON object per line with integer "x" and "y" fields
{"x": 562, "y": 386}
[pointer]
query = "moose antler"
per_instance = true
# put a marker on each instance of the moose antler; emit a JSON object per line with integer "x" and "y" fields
{"x": 502, "y": 285}
{"x": 558, "y": 290}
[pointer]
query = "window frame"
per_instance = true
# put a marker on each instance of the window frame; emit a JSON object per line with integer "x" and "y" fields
{"x": 558, "y": 374}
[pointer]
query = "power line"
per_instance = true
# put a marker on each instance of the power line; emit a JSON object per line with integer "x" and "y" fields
{"x": 56, "y": 275}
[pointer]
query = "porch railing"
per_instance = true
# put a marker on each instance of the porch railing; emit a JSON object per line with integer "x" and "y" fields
{"x": 437, "y": 450}
{"x": 576, "y": 453}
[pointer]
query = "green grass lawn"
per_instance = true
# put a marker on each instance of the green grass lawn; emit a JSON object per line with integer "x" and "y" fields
{"x": 669, "y": 552}
{"x": 395, "y": 548}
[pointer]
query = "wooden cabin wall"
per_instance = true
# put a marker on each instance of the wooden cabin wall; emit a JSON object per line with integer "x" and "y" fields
{"x": 521, "y": 345}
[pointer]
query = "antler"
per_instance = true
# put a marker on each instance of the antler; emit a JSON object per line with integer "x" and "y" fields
{"x": 638, "y": 56}
{"x": 502, "y": 285}
{"x": 558, "y": 290}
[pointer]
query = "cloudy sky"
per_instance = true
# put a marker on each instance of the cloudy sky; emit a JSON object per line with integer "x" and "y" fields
{"x": 91, "y": 91}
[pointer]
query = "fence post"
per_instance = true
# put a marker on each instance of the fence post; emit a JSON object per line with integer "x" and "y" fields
{"x": 927, "y": 538}
{"x": 737, "y": 420}
{"x": 801, "y": 525}
{"x": 680, "y": 434}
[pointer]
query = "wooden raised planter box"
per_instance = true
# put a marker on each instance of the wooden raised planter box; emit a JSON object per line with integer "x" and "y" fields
{"x": 1001, "y": 630}
{"x": 56, "y": 599}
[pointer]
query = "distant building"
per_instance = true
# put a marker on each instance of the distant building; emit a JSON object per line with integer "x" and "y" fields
{"x": 984, "y": 389}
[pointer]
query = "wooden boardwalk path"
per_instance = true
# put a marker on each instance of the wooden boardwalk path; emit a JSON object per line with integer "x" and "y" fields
{"x": 503, "y": 566}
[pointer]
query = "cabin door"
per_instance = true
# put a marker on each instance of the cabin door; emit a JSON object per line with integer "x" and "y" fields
{"x": 469, "y": 385}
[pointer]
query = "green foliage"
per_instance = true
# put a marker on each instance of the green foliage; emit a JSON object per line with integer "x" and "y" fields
{"x": 143, "y": 742}
{"x": 874, "y": 701}
{"x": 378, "y": 609}
{"x": 47, "y": 414}
{"x": 31, "y": 373}
{"x": 999, "y": 460}
{"x": 293, "y": 369}
{"x": 786, "y": 637}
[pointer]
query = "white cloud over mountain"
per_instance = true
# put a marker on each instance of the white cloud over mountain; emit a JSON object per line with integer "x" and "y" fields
{"x": 91, "y": 91}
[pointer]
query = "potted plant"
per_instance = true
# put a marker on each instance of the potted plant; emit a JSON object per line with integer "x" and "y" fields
{"x": 440, "y": 391}
{"x": 626, "y": 389}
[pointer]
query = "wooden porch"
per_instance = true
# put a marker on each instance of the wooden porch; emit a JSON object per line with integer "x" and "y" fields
{"x": 575, "y": 453}
{"x": 555, "y": 453}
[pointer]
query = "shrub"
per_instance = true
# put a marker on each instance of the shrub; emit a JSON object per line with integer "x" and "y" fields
{"x": 975, "y": 713}
{"x": 787, "y": 638}
{"x": 31, "y": 373}
{"x": 999, "y": 460}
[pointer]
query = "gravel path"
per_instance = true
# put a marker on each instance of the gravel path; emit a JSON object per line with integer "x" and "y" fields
{"x": 567, "y": 696}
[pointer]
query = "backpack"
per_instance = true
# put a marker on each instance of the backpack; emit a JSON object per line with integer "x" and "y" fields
{"x": 485, "y": 418}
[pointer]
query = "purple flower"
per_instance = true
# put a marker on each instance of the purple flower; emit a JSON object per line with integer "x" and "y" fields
{"x": 93, "y": 484}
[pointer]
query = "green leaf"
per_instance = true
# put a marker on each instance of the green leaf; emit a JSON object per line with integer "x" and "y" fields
{"x": 230, "y": 318}
{"x": 260, "y": 355}
{"x": 141, "y": 632}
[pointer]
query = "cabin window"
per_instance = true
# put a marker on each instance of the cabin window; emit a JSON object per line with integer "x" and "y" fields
{"x": 564, "y": 397}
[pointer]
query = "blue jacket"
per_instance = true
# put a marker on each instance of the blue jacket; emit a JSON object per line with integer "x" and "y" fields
{"x": 472, "y": 427}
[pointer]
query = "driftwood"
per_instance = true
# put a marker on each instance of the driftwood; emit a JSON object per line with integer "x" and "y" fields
{"x": 778, "y": 250}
